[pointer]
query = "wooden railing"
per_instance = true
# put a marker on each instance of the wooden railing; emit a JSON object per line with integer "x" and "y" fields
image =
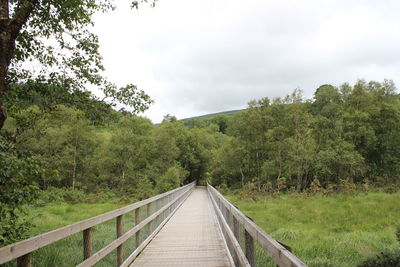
{"x": 163, "y": 206}
{"x": 248, "y": 244}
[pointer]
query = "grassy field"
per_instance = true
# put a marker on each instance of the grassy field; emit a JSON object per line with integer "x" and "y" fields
{"x": 338, "y": 230}
{"x": 56, "y": 215}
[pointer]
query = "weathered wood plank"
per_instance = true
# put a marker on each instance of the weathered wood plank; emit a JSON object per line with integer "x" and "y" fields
{"x": 190, "y": 238}
{"x": 120, "y": 248}
{"x": 87, "y": 243}
{"x": 136, "y": 252}
{"x": 25, "y": 261}
{"x": 249, "y": 248}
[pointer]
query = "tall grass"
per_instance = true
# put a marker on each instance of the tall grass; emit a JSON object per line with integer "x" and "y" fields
{"x": 337, "y": 230}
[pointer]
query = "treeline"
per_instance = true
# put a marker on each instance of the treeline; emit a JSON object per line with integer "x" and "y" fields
{"x": 81, "y": 143}
{"x": 75, "y": 142}
{"x": 346, "y": 133}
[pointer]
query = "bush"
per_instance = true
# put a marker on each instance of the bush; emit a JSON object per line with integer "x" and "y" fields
{"x": 171, "y": 179}
{"x": 346, "y": 186}
{"x": 18, "y": 177}
{"x": 249, "y": 191}
{"x": 53, "y": 194}
{"x": 385, "y": 258}
{"x": 398, "y": 232}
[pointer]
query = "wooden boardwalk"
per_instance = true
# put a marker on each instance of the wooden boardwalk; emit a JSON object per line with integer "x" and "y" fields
{"x": 187, "y": 226}
{"x": 191, "y": 237}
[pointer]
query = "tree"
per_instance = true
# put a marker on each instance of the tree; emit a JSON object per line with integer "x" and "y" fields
{"x": 62, "y": 143}
{"x": 18, "y": 176}
{"x": 55, "y": 34}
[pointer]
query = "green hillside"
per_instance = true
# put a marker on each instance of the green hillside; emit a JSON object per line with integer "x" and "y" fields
{"x": 230, "y": 112}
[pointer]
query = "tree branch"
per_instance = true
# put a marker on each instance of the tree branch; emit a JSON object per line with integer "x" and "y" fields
{"x": 21, "y": 15}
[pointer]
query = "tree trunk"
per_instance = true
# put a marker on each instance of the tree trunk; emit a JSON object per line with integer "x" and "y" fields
{"x": 3, "y": 111}
{"x": 241, "y": 172}
{"x": 4, "y": 55}
{"x": 10, "y": 28}
{"x": 74, "y": 167}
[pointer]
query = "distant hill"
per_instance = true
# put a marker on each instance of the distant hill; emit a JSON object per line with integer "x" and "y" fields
{"x": 230, "y": 112}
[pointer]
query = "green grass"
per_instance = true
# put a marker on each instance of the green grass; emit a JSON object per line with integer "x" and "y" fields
{"x": 338, "y": 230}
{"x": 56, "y": 215}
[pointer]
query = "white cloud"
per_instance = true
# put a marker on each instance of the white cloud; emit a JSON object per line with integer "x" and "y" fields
{"x": 196, "y": 57}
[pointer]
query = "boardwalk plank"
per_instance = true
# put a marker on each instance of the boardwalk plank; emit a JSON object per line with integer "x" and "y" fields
{"x": 190, "y": 238}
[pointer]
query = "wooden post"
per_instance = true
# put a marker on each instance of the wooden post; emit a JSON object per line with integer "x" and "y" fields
{"x": 160, "y": 203}
{"x": 87, "y": 243}
{"x": 148, "y": 215}
{"x": 236, "y": 229}
{"x": 249, "y": 245}
{"x": 137, "y": 221}
{"x": 120, "y": 249}
{"x": 25, "y": 261}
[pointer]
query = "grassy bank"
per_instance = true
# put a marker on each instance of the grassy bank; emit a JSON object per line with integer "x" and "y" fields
{"x": 337, "y": 230}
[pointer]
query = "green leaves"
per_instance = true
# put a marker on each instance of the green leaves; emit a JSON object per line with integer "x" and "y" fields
{"x": 345, "y": 133}
{"x": 18, "y": 182}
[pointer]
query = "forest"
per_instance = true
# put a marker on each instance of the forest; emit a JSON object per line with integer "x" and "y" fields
{"x": 67, "y": 145}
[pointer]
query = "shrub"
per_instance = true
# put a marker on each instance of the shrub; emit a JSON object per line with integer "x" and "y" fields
{"x": 223, "y": 189}
{"x": 281, "y": 184}
{"x": 249, "y": 191}
{"x": 171, "y": 179}
{"x": 315, "y": 186}
{"x": 18, "y": 177}
{"x": 390, "y": 189}
{"x": 53, "y": 194}
{"x": 346, "y": 186}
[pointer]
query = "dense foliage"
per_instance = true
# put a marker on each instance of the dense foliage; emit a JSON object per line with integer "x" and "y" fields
{"x": 346, "y": 133}
{"x": 58, "y": 138}
{"x": 18, "y": 188}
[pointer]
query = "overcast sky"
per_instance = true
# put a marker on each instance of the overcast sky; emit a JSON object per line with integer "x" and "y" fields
{"x": 197, "y": 57}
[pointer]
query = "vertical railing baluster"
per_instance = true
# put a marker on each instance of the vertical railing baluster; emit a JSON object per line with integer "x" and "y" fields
{"x": 249, "y": 248}
{"x": 236, "y": 229}
{"x": 25, "y": 260}
{"x": 87, "y": 243}
{"x": 120, "y": 248}
{"x": 148, "y": 208}
{"x": 137, "y": 221}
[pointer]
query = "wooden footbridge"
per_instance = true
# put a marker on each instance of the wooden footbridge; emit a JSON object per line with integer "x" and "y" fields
{"x": 188, "y": 226}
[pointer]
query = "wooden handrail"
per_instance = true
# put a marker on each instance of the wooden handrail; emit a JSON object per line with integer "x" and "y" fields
{"x": 279, "y": 254}
{"x": 117, "y": 242}
{"x": 239, "y": 257}
{"x": 23, "y": 249}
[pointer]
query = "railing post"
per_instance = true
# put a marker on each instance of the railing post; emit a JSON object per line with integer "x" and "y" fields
{"x": 137, "y": 221}
{"x": 120, "y": 249}
{"x": 87, "y": 243}
{"x": 148, "y": 208}
{"x": 236, "y": 228}
{"x": 249, "y": 247}
{"x": 160, "y": 203}
{"x": 25, "y": 261}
